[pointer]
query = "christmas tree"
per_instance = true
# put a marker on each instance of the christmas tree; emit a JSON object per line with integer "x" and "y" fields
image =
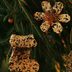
{"x": 47, "y": 22}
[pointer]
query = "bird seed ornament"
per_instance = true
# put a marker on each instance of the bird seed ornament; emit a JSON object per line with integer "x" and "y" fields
{"x": 20, "y": 62}
{"x": 51, "y": 17}
{"x": 68, "y": 62}
{"x": 20, "y": 58}
{"x": 27, "y": 41}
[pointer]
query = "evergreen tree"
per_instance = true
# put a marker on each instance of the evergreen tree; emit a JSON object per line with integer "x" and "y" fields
{"x": 17, "y": 17}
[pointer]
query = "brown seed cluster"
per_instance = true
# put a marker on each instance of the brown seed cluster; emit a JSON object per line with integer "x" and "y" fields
{"x": 68, "y": 62}
{"x": 27, "y": 41}
{"x": 57, "y": 66}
